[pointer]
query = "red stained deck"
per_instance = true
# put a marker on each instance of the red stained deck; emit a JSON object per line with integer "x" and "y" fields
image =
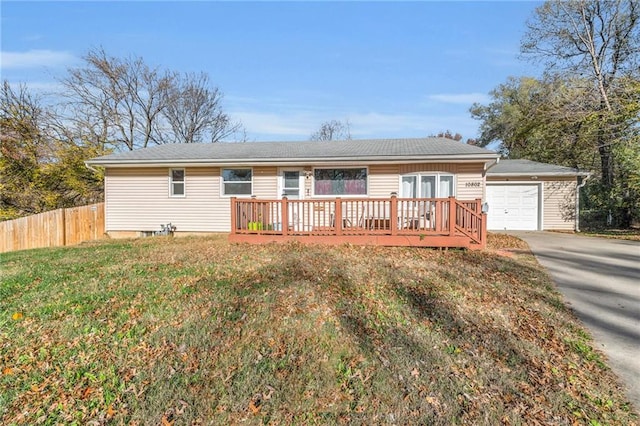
{"x": 425, "y": 222}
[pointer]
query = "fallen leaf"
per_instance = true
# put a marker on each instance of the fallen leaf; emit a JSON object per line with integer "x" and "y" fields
{"x": 110, "y": 411}
{"x": 255, "y": 408}
{"x": 86, "y": 392}
{"x": 17, "y": 316}
{"x": 415, "y": 372}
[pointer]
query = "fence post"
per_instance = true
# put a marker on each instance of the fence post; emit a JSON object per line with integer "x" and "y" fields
{"x": 285, "y": 216}
{"x": 393, "y": 215}
{"x": 338, "y": 213}
{"x": 452, "y": 215}
{"x": 234, "y": 215}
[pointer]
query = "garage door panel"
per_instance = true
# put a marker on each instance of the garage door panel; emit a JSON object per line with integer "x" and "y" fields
{"x": 513, "y": 207}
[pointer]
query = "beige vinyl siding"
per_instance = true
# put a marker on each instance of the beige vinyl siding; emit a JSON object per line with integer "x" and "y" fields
{"x": 265, "y": 182}
{"x": 559, "y": 198}
{"x": 469, "y": 181}
{"x": 429, "y": 167}
{"x": 138, "y": 199}
{"x": 383, "y": 180}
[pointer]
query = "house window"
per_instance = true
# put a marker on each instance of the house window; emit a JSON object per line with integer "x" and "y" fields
{"x": 236, "y": 182}
{"x": 177, "y": 180}
{"x": 336, "y": 182}
{"x": 427, "y": 185}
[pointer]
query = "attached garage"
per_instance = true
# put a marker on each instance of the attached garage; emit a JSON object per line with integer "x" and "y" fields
{"x": 526, "y": 195}
{"x": 513, "y": 206}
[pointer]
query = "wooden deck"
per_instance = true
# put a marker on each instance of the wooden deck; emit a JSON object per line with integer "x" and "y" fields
{"x": 425, "y": 222}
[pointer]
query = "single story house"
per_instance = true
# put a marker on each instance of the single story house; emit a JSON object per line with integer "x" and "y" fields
{"x": 195, "y": 186}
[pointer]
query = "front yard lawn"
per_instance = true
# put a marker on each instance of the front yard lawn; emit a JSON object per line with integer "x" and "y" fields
{"x": 198, "y": 331}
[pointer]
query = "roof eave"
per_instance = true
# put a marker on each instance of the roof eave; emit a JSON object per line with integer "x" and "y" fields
{"x": 289, "y": 161}
{"x": 533, "y": 173}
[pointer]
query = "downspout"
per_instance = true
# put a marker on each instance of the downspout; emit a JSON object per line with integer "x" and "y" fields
{"x": 584, "y": 182}
{"x": 90, "y": 168}
{"x": 487, "y": 166}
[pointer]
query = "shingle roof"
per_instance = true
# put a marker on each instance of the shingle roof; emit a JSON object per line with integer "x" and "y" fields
{"x": 376, "y": 150}
{"x": 528, "y": 167}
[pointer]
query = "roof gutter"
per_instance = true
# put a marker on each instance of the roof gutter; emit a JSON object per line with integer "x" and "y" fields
{"x": 289, "y": 161}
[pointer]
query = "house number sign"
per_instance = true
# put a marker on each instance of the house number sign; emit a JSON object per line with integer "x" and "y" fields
{"x": 472, "y": 184}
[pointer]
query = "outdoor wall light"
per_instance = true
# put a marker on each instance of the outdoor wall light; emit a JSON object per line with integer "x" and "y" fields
{"x": 485, "y": 207}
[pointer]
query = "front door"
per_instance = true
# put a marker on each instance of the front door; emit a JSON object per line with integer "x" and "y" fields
{"x": 292, "y": 186}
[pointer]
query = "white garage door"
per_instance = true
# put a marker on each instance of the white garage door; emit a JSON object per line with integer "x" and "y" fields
{"x": 512, "y": 207}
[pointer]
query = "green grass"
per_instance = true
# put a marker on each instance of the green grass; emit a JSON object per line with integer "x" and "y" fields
{"x": 198, "y": 331}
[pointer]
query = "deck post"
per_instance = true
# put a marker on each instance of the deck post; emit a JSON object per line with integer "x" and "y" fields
{"x": 452, "y": 215}
{"x": 338, "y": 216}
{"x": 234, "y": 215}
{"x": 393, "y": 216}
{"x": 285, "y": 215}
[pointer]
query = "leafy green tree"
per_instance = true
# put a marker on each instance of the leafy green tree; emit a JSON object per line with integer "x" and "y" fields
{"x": 37, "y": 171}
{"x": 584, "y": 111}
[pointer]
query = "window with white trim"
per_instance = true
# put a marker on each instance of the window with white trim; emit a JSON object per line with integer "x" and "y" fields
{"x": 177, "y": 182}
{"x": 339, "y": 182}
{"x": 236, "y": 182}
{"x": 427, "y": 185}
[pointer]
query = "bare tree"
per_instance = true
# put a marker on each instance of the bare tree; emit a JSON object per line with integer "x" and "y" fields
{"x": 332, "y": 130}
{"x": 127, "y": 104}
{"x": 448, "y": 135}
{"x": 194, "y": 112}
{"x": 116, "y": 100}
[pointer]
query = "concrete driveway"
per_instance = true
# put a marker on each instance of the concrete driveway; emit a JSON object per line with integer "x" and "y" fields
{"x": 600, "y": 280}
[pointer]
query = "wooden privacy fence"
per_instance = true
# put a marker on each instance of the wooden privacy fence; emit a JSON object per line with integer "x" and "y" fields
{"x": 62, "y": 227}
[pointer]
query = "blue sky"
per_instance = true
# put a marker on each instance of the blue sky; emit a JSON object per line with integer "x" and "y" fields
{"x": 393, "y": 69}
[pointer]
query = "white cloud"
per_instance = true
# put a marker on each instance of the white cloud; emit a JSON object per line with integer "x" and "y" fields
{"x": 460, "y": 98}
{"x": 373, "y": 125}
{"x": 298, "y": 125}
{"x": 285, "y": 125}
{"x": 35, "y": 58}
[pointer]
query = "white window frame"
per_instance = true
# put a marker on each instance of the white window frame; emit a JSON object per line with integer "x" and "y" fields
{"x": 437, "y": 175}
{"x": 313, "y": 183}
{"x": 173, "y": 183}
{"x": 222, "y": 182}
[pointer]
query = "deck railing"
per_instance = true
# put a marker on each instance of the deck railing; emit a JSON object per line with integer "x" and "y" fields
{"x": 345, "y": 217}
